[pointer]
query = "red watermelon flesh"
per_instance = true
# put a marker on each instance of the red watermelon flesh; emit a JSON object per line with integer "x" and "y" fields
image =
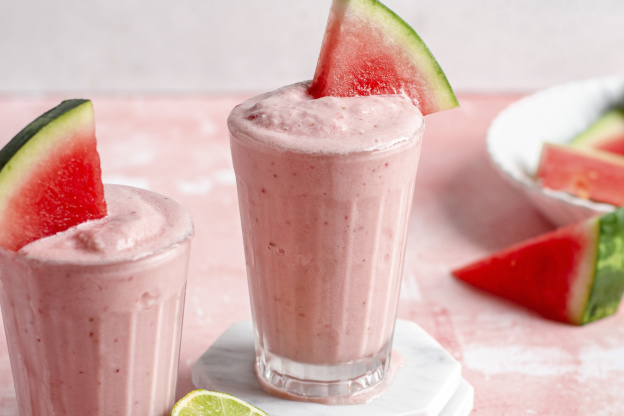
{"x": 540, "y": 274}
{"x": 613, "y": 145}
{"x": 584, "y": 172}
{"x": 369, "y": 50}
{"x": 574, "y": 274}
{"x": 51, "y": 176}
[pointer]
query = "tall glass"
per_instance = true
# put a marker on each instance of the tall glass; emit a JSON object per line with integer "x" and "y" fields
{"x": 96, "y": 337}
{"x": 324, "y": 236}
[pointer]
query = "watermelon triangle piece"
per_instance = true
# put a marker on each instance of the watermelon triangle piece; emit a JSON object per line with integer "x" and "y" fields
{"x": 585, "y": 172}
{"x": 573, "y": 274}
{"x": 50, "y": 176}
{"x": 368, "y": 50}
{"x": 606, "y": 133}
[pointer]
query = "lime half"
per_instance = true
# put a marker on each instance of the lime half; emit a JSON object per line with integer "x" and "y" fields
{"x": 213, "y": 403}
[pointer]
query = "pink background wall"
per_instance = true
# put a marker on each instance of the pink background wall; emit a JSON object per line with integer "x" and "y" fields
{"x": 249, "y": 45}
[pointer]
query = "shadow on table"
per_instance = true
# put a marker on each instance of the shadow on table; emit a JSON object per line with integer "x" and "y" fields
{"x": 484, "y": 209}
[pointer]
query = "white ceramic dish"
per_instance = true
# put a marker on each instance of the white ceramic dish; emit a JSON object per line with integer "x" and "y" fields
{"x": 557, "y": 114}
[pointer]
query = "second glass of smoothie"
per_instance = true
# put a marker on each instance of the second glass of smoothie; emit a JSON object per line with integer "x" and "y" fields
{"x": 93, "y": 315}
{"x": 325, "y": 191}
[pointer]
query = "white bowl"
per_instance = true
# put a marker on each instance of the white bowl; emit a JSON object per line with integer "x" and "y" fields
{"x": 557, "y": 114}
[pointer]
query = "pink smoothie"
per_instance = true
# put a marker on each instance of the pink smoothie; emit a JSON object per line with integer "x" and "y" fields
{"x": 93, "y": 315}
{"x": 325, "y": 190}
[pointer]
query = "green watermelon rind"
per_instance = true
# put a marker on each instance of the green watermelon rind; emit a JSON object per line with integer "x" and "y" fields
{"x": 607, "y": 286}
{"x": 34, "y": 127}
{"x": 393, "y": 23}
{"x": 582, "y": 281}
{"x": 599, "y": 132}
{"x": 39, "y": 137}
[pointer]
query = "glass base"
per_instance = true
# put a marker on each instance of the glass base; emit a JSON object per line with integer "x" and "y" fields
{"x": 423, "y": 379}
{"x": 318, "y": 381}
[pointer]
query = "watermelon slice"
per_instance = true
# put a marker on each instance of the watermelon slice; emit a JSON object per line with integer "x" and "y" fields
{"x": 586, "y": 173}
{"x": 369, "y": 50}
{"x": 573, "y": 274}
{"x": 50, "y": 177}
{"x": 606, "y": 133}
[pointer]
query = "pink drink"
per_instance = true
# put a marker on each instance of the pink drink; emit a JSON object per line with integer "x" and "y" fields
{"x": 93, "y": 315}
{"x": 325, "y": 190}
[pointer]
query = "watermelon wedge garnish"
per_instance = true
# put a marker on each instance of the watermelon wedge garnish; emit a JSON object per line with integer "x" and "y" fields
{"x": 369, "y": 50}
{"x": 585, "y": 172}
{"x": 574, "y": 274}
{"x": 50, "y": 176}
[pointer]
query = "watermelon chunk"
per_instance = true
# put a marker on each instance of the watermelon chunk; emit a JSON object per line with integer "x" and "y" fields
{"x": 606, "y": 133}
{"x": 586, "y": 173}
{"x": 368, "y": 50}
{"x": 50, "y": 176}
{"x": 574, "y": 274}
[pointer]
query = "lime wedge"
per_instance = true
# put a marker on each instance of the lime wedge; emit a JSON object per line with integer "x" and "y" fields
{"x": 213, "y": 403}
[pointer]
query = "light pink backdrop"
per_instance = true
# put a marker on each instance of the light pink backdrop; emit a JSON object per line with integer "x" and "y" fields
{"x": 243, "y": 45}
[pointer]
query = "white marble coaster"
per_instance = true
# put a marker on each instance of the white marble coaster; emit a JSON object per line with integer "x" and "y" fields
{"x": 428, "y": 384}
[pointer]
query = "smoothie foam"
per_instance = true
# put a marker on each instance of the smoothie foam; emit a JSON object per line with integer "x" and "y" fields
{"x": 325, "y": 189}
{"x": 93, "y": 315}
{"x": 290, "y": 119}
{"x": 139, "y": 223}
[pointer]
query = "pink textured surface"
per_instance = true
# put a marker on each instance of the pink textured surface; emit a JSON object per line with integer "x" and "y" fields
{"x": 518, "y": 363}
